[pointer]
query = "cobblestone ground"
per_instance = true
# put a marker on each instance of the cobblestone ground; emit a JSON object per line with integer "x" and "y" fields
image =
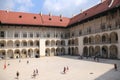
{"x": 51, "y": 68}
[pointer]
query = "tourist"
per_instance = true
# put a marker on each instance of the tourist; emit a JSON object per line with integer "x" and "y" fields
{"x": 34, "y": 74}
{"x": 37, "y": 71}
{"x": 64, "y": 70}
{"x": 17, "y": 74}
{"x": 115, "y": 67}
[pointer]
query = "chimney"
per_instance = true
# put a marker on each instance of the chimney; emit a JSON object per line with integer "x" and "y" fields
{"x": 50, "y": 14}
{"x": 40, "y": 13}
{"x": 60, "y": 15}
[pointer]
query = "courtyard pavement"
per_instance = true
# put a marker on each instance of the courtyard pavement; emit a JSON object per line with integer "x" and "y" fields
{"x": 51, "y": 68}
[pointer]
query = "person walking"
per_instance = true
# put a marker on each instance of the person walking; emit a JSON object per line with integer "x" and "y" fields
{"x": 17, "y": 74}
{"x": 36, "y": 71}
{"x": 115, "y": 67}
{"x": 64, "y": 70}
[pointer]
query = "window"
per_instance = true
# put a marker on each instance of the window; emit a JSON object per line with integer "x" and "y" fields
{"x": 24, "y": 35}
{"x": 37, "y": 35}
{"x": 31, "y": 35}
{"x": 16, "y": 35}
{"x": 2, "y": 34}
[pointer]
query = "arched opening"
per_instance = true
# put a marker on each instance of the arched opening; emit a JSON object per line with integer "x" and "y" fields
{"x": 30, "y": 53}
{"x": 17, "y": 43}
{"x": 85, "y": 40}
{"x": 97, "y": 39}
{"x": 58, "y": 51}
{"x": 85, "y": 51}
{"x": 2, "y": 54}
{"x": 10, "y": 44}
{"x": 113, "y": 52}
{"x": 2, "y": 43}
{"x": 63, "y": 43}
{"x": 76, "y": 41}
{"x": 53, "y": 52}
{"x": 24, "y": 43}
{"x": 91, "y": 39}
{"x": 91, "y": 51}
{"x": 76, "y": 51}
{"x": 37, "y": 53}
{"x": 73, "y": 51}
{"x": 30, "y": 43}
{"x": 10, "y": 54}
{"x": 105, "y": 52}
{"x": 58, "y": 43}
{"x": 97, "y": 51}
{"x": 17, "y": 53}
{"x": 105, "y": 38}
{"x": 52, "y": 43}
{"x": 24, "y": 53}
{"x": 47, "y": 51}
{"x": 69, "y": 51}
{"x": 47, "y": 43}
{"x": 113, "y": 37}
{"x": 73, "y": 43}
{"x": 62, "y": 51}
{"x": 36, "y": 43}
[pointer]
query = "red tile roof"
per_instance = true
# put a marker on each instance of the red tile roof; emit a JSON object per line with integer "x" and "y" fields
{"x": 8, "y": 17}
{"x": 102, "y": 7}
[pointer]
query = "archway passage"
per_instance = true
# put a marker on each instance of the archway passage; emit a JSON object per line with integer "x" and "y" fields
{"x": 85, "y": 51}
{"x": 17, "y": 53}
{"x": 47, "y": 52}
{"x": 36, "y": 53}
{"x": 52, "y": 52}
{"x": 104, "y": 52}
{"x": 10, "y": 54}
{"x": 24, "y": 53}
{"x": 2, "y": 54}
{"x": 91, "y": 51}
{"x": 113, "y": 52}
{"x": 30, "y": 53}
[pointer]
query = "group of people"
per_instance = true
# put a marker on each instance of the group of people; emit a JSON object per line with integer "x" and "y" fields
{"x": 35, "y": 73}
{"x": 65, "y": 69}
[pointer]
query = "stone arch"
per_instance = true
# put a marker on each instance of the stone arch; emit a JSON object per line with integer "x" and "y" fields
{"x": 2, "y": 54}
{"x": 85, "y": 51}
{"x": 10, "y": 43}
{"x": 36, "y": 43}
{"x": 104, "y": 51}
{"x": 47, "y": 42}
{"x": 23, "y": 53}
{"x": 47, "y": 52}
{"x": 10, "y": 54}
{"x": 91, "y": 51}
{"x": 37, "y": 53}
{"x": 113, "y": 51}
{"x": 24, "y": 43}
{"x": 30, "y": 53}
{"x": 53, "y": 52}
{"x": 63, "y": 42}
{"x": 105, "y": 38}
{"x": 113, "y": 37}
{"x": 2, "y": 43}
{"x": 97, "y": 50}
{"x": 58, "y": 51}
{"x": 69, "y": 51}
{"x": 73, "y": 50}
{"x": 17, "y": 43}
{"x": 73, "y": 42}
{"x": 85, "y": 40}
{"x": 30, "y": 43}
{"x": 91, "y": 39}
{"x": 58, "y": 43}
{"x": 17, "y": 53}
{"x": 97, "y": 39}
{"x": 76, "y": 41}
{"x": 63, "y": 51}
{"x": 76, "y": 51}
{"x": 53, "y": 43}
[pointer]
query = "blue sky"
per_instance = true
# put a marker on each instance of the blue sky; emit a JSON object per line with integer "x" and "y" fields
{"x": 65, "y": 7}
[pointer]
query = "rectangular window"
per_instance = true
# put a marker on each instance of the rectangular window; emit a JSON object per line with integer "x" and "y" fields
{"x": 2, "y": 34}
{"x": 31, "y": 35}
{"x": 24, "y": 35}
{"x": 16, "y": 35}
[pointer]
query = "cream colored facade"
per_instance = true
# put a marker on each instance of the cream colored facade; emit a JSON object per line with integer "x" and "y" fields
{"x": 97, "y": 36}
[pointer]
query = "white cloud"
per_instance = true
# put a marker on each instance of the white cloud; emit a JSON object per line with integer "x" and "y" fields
{"x": 66, "y": 7}
{"x": 16, "y": 5}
